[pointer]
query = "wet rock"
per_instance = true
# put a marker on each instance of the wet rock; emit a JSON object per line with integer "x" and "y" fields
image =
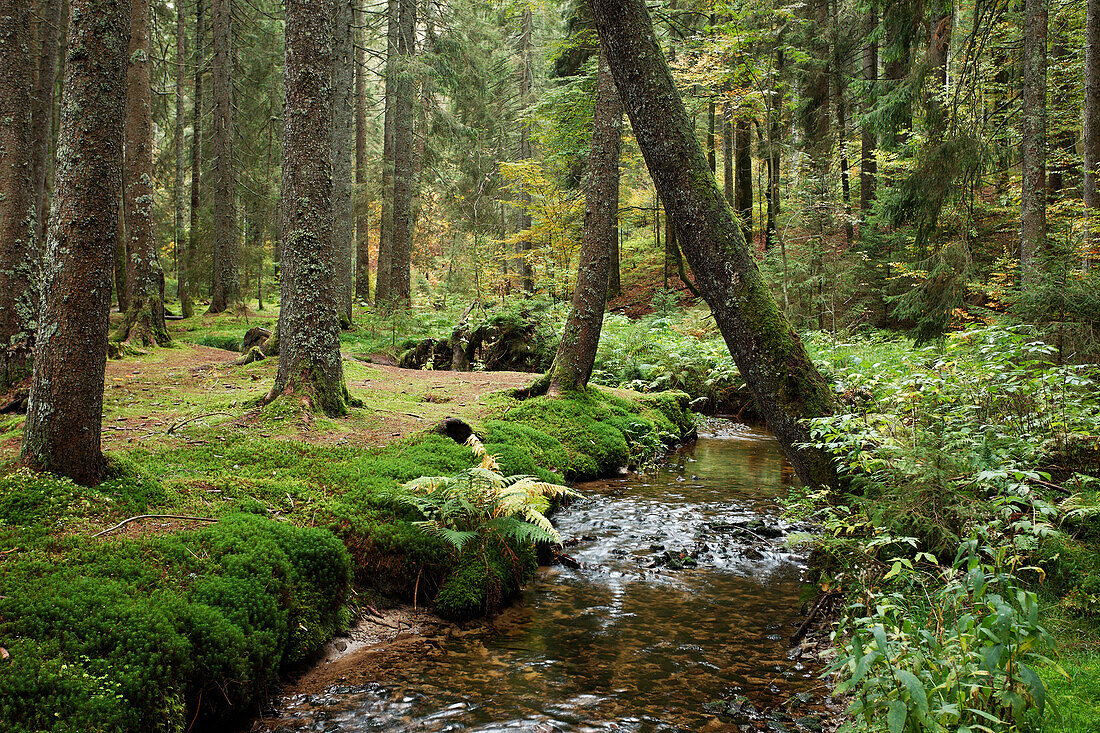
{"x": 675, "y": 560}
{"x": 810, "y": 723}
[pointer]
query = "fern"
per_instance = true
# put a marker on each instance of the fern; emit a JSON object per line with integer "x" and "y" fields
{"x": 481, "y": 504}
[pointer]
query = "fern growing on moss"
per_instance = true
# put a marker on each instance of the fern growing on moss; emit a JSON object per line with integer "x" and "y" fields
{"x": 482, "y": 504}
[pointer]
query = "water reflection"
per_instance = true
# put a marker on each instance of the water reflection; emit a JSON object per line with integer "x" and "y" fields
{"x": 625, "y": 643}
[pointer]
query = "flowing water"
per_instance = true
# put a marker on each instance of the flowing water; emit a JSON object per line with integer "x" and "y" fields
{"x": 677, "y": 620}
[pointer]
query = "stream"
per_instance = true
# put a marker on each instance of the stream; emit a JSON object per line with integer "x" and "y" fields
{"x": 678, "y": 619}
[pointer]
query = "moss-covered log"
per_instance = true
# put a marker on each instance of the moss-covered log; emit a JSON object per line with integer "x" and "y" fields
{"x": 761, "y": 340}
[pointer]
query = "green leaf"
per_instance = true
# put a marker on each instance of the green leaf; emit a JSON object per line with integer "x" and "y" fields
{"x": 915, "y": 689}
{"x": 895, "y": 718}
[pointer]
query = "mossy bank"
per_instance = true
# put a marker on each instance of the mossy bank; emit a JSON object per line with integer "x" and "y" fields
{"x": 168, "y": 620}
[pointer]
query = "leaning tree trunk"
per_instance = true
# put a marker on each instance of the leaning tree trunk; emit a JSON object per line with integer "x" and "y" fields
{"x": 343, "y": 119}
{"x": 384, "y": 267}
{"x": 577, "y": 352}
{"x": 310, "y": 365}
{"x": 143, "y": 322}
{"x": 65, "y": 409}
{"x": 766, "y": 349}
{"x": 1033, "y": 213}
{"x": 362, "y": 224}
{"x": 19, "y": 247}
{"x": 403, "y": 164}
{"x": 227, "y": 278}
{"x": 1092, "y": 125}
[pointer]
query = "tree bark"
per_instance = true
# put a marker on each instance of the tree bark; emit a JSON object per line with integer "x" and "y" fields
{"x": 343, "y": 116}
{"x": 527, "y": 278}
{"x": 19, "y": 248}
{"x": 727, "y": 155}
{"x": 199, "y": 63}
{"x": 403, "y": 164}
{"x": 577, "y": 353}
{"x": 49, "y": 31}
{"x": 227, "y": 279}
{"x": 742, "y": 136}
{"x": 183, "y": 250}
{"x": 382, "y": 289}
{"x": 868, "y": 162}
{"x": 1033, "y": 144}
{"x": 766, "y": 349}
{"x": 1092, "y": 125}
{"x": 362, "y": 225}
{"x": 65, "y": 409}
{"x": 310, "y": 365}
{"x": 143, "y": 323}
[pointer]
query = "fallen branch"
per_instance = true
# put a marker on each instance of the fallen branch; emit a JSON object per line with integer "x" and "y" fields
{"x": 817, "y": 608}
{"x": 124, "y": 522}
{"x": 179, "y": 425}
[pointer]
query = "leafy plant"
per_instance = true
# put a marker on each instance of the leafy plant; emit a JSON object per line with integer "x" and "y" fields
{"x": 480, "y": 505}
{"x": 964, "y": 661}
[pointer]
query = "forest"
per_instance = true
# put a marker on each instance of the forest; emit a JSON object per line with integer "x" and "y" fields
{"x": 558, "y": 365}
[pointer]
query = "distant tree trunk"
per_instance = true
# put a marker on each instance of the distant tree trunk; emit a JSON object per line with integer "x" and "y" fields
{"x": 577, "y": 352}
{"x": 183, "y": 253}
{"x": 868, "y": 163}
{"x": 742, "y": 136}
{"x": 362, "y": 225}
{"x": 143, "y": 323}
{"x": 120, "y": 258}
{"x": 527, "y": 278}
{"x": 196, "y": 161}
{"x": 343, "y": 116}
{"x": 65, "y": 410}
{"x": 1033, "y": 214}
{"x": 771, "y": 191}
{"x": 227, "y": 277}
{"x": 845, "y": 185}
{"x": 49, "y": 30}
{"x": 20, "y": 251}
{"x": 712, "y": 157}
{"x": 1064, "y": 137}
{"x": 727, "y": 154}
{"x": 310, "y": 365}
{"x": 614, "y": 276}
{"x": 1092, "y": 124}
{"x": 403, "y": 168}
{"x": 382, "y": 289}
{"x": 766, "y": 349}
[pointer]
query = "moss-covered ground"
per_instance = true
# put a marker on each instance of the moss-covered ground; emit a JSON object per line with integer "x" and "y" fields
{"x": 278, "y": 517}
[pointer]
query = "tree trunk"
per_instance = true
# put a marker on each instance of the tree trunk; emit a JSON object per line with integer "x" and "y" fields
{"x": 143, "y": 323}
{"x": 775, "y": 115}
{"x": 227, "y": 279}
{"x": 845, "y": 185}
{"x": 362, "y": 225}
{"x": 183, "y": 251}
{"x": 49, "y": 30}
{"x": 196, "y": 162}
{"x": 727, "y": 154}
{"x": 868, "y": 163}
{"x": 742, "y": 136}
{"x": 310, "y": 365}
{"x": 766, "y": 349}
{"x": 577, "y": 352}
{"x": 1092, "y": 125}
{"x": 65, "y": 409}
{"x": 382, "y": 289}
{"x": 403, "y": 168}
{"x": 1033, "y": 214}
{"x": 527, "y": 278}
{"x": 343, "y": 117}
{"x": 19, "y": 248}
{"x": 712, "y": 153}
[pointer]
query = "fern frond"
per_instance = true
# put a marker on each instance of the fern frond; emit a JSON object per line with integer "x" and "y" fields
{"x": 426, "y": 484}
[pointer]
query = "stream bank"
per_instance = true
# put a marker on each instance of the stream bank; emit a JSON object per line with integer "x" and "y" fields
{"x": 678, "y": 618}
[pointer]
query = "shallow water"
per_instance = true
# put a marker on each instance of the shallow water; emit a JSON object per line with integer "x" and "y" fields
{"x": 626, "y": 642}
